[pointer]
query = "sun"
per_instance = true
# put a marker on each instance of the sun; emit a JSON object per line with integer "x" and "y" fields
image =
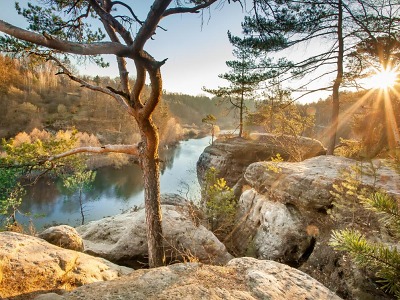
{"x": 383, "y": 79}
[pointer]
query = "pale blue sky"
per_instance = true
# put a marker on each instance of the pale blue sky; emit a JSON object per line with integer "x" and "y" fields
{"x": 196, "y": 48}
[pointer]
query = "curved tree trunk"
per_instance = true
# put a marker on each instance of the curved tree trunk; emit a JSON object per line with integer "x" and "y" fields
{"x": 149, "y": 161}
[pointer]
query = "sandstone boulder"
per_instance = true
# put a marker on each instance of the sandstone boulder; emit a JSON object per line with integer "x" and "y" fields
{"x": 270, "y": 230}
{"x": 285, "y": 216}
{"x": 243, "y": 278}
{"x": 308, "y": 184}
{"x": 232, "y": 156}
{"x": 63, "y": 236}
{"x": 29, "y": 264}
{"x": 122, "y": 238}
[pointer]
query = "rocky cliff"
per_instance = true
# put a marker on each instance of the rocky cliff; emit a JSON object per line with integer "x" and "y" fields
{"x": 285, "y": 210}
{"x": 122, "y": 238}
{"x": 286, "y": 215}
{"x": 232, "y": 156}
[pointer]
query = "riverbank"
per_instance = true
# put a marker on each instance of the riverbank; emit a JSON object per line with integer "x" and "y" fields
{"x": 114, "y": 190}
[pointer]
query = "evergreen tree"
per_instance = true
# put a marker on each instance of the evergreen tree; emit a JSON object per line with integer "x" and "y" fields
{"x": 279, "y": 115}
{"x": 210, "y": 120}
{"x": 243, "y": 78}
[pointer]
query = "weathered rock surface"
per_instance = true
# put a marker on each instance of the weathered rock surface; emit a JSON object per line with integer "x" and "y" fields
{"x": 270, "y": 230}
{"x": 63, "y": 236}
{"x": 29, "y": 264}
{"x": 122, "y": 238}
{"x": 308, "y": 184}
{"x": 232, "y": 156}
{"x": 284, "y": 216}
{"x": 243, "y": 278}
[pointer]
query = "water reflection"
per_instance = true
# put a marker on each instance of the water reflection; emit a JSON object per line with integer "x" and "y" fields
{"x": 115, "y": 190}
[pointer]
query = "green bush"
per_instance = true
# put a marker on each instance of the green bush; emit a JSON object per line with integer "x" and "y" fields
{"x": 218, "y": 203}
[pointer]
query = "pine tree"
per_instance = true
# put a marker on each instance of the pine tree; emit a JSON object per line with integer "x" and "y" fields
{"x": 243, "y": 78}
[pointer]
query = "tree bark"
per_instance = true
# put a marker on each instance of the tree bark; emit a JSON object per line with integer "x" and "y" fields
{"x": 339, "y": 78}
{"x": 148, "y": 155}
{"x": 241, "y": 114}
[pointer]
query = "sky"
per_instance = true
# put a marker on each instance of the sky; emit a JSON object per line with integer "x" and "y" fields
{"x": 196, "y": 47}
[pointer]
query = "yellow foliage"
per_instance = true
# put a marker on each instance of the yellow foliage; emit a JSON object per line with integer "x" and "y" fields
{"x": 21, "y": 138}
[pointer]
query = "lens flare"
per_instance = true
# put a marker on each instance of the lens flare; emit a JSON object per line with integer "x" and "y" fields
{"x": 383, "y": 79}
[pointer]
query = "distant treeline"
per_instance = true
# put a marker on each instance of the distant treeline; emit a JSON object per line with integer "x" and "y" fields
{"x": 33, "y": 97}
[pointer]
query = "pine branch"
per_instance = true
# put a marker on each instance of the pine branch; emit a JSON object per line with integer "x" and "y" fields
{"x": 384, "y": 260}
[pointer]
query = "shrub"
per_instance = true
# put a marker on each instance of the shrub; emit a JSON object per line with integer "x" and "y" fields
{"x": 218, "y": 203}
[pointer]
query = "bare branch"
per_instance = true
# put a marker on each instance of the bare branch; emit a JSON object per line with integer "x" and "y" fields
{"x": 139, "y": 84}
{"x": 51, "y": 42}
{"x": 120, "y": 99}
{"x": 127, "y": 149}
{"x": 128, "y": 8}
{"x": 329, "y": 88}
{"x": 194, "y": 10}
{"x": 155, "y": 96}
{"x": 132, "y": 12}
{"x": 123, "y": 72}
{"x": 150, "y": 24}
{"x": 73, "y": 6}
{"x": 108, "y": 18}
{"x": 234, "y": 104}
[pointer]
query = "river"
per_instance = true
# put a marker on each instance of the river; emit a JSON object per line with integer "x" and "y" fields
{"x": 114, "y": 190}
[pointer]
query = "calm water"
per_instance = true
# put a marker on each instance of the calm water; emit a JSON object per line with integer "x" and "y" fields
{"x": 115, "y": 190}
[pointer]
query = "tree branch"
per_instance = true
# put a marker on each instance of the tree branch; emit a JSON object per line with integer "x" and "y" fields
{"x": 123, "y": 72}
{"x": 150, "y": 24}
{"x": 121, "y": 100}
{"x": 194, "y": 10}
{"x": 108, "y": 18}
{"x": 132, "y": 12}
{"x": 127, "y": 149}
{"x": 51, "y": 42}
{"x": 155, "y": 96}
{"x": 128, "y": 8}
{"x": 139, "y": 84}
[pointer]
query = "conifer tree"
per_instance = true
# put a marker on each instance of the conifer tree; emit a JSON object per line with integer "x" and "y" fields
{"x": 243, "y": 78}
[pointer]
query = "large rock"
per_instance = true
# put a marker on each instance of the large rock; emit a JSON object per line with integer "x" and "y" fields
{"x": 29, "y": 264}
{"x": 243, "y": 278}
{"x": 232, "y": 156}
{"x": 285, "y": 216}
{"x": 122, "y": 238}
{"x": 63, "y": 236}
{"x": 270, "y": 230}
{"x": 308, "y": 184}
